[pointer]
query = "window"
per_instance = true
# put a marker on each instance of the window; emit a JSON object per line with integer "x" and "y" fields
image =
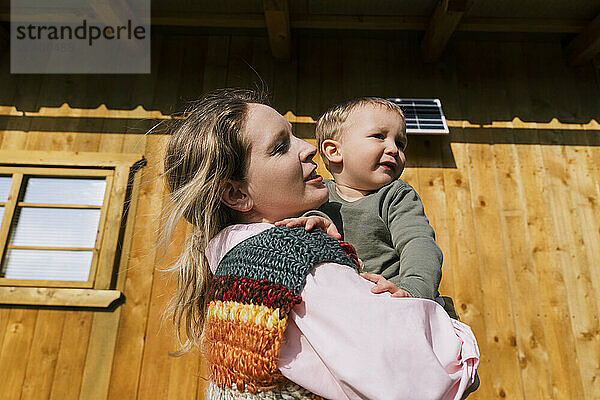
{"x": 63, "y": 226}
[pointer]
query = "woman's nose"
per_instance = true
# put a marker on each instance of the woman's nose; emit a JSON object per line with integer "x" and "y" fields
{"x": 307, "y": 151}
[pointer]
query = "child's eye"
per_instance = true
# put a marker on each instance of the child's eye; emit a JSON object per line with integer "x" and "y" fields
{"x": 378, "y": 136}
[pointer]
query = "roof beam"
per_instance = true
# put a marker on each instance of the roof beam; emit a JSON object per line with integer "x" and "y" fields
{"x": 277, "y": 19}
{"x": 585, "y": 45}
{"x": 351, "y": 22}
{"x": 444, "y": 20}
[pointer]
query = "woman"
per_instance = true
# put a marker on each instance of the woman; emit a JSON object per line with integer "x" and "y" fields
{"x": 280, "y": 312}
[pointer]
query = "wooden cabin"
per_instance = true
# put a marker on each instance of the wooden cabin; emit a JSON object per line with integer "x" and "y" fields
{"x": 513, "y": 190}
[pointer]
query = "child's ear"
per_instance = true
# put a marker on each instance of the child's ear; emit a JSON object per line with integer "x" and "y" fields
{"x": 235, "y": 196}
{"x": 331, "y": 150}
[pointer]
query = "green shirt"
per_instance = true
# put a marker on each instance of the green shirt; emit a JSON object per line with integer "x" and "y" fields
{"x": 392, "y": 236}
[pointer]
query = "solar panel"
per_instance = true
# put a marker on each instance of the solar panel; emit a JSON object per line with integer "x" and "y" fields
{"x": 423, "y": 115}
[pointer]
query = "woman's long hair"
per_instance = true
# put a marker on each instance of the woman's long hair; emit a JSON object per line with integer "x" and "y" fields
{"x": 206, "y": 149}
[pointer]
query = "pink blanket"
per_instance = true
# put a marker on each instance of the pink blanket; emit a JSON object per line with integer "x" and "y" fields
{"x": 344, "y": 342}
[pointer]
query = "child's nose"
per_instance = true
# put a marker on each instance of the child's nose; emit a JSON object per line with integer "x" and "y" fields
{"x": 392, "y": 149}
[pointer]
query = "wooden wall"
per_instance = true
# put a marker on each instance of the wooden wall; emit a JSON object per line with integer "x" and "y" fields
{"x": 514, "y": 205}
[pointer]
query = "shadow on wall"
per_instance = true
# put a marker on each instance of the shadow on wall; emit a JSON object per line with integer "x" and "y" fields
{"x": 479, "y": 81}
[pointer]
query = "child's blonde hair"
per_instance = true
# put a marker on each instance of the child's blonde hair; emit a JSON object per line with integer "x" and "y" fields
{"x": 206, "y": 149}
{"x": 329, "y": 124}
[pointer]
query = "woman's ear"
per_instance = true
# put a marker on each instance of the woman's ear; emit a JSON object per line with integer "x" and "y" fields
{"x": 235, "y": 196}
{"x": 331, "y": 150}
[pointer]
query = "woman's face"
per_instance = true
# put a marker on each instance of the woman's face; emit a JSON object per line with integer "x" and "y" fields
{"x": 281, "y": 179}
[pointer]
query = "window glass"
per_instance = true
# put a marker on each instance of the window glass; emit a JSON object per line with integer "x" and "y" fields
{"x": 53, "y": 231}
{"x": 65, "y": 191}
{"x": 5, "y": 182}
{"x": 47, "y": 264}
{"x": 55, "y": 227}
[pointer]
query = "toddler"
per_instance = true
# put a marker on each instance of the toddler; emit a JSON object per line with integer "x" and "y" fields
{"x": 362, "y": 143}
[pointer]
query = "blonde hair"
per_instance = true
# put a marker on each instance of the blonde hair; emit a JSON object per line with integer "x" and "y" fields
{"x": 206, "y": 149}
{"x": 329, "y": 125}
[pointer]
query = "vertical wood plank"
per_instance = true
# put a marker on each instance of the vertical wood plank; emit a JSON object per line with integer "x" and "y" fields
{"x": 308, "y": 84}
{"x": 71, "y": 355}
{"x": 572, "y": 259}
{"x": 263, "y": 63}
{"x": 462, "y": 255}
{"x": 499, "y": 316}
{"x": 522, "y": 277}
{"x": 560, "y": 343}
{"x": 138, "y": 282}
{"x": 20, "y": 323}
{"x": 156, "y": 363}
{"x": 217, "y": 62}
{"x": 239, "y": 73}
{"x": 99, "y": 357}
{"x": 105, "y": 326}
{"x": 15, "y": 350}
{"x": 25, "y": 99}
{"x": 562, "y": 184}
{"x": 44, "y": 354}
{"x": 432, "y": 193}
{"x": 184, "y": 372}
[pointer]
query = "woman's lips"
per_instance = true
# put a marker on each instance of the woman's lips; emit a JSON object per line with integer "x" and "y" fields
{"x": 317, "y": 179}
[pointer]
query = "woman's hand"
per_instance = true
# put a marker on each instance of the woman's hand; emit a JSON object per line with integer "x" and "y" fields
{"x": 382, "y": 285}
{"x": 312, "y": 222}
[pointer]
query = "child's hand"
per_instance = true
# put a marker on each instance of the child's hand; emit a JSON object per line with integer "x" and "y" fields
{"x": 312, "y": 222}
{"x": 382, "y": 285}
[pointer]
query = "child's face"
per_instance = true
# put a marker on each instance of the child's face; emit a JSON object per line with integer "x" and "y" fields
{"x": 372, "y": 147}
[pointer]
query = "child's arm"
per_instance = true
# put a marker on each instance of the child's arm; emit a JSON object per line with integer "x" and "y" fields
{"x": 414, "y": 241}
{"x": 310, "y": 222}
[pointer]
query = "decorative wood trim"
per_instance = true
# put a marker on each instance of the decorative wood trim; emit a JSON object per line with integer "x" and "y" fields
{"x": 100, "y": 233}
{"x": 9, "y": 210}
{"x": 117, "y": 177}
{"x": 58, "y": 296}
{"x": 277, "y": 18}
{"x": 131, "y": 209}
{"x": 51, "y": 248}
{"x": 68, "y": 172}
{"x": 72, "y": 206}
{"x": 38, "y": 283}
{"x": 444, "y": 21}
{"x": 112, "y": 227}
{"x": 586, "y": 45}
{"x": 76, "y": 159}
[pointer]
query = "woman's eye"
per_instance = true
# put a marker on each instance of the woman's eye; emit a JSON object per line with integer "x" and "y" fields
{"x": 281, "y": 148}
